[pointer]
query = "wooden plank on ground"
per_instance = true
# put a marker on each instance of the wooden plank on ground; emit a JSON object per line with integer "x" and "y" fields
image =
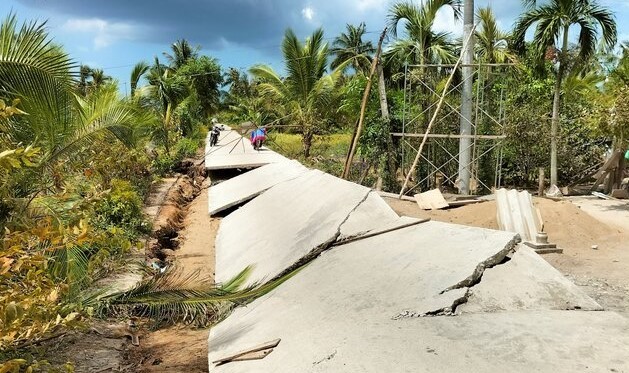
{"x": 394, "y": 195}
{"x": 264, "y": 346}
{"x": 431, "y": 200}
{"x": 463, "y": 202}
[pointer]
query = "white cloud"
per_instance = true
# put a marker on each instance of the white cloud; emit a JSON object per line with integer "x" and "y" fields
{"x": 363, "y": 5}
{"x": 308, "y": 13}
{"x": 444, "y": 21}
{"x": 104, "y": 33}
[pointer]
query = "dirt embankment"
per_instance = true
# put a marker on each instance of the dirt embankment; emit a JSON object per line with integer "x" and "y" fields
{"x": 184, "y": 238}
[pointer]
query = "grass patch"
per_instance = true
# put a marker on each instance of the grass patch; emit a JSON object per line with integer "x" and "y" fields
{"x": 331, "y": 146}
{"x": 327, "y": 153}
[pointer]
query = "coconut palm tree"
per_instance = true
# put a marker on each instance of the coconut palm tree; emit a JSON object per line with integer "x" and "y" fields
{"x": 137, "y": 72}
{"x": 182, "y": 51}
{"x": 57, "y": 122}
{"x": 349, "y": 46}
{"x": 167, "y": 90}
{"x": 84, "y": 74}
{"x": 421, "y": 44}
{"x": 99, "y": 78}
{"x": 554, "y": 19}
{"x": 306, "y": 92}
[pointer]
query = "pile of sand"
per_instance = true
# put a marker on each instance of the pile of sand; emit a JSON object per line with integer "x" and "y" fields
{"x": 565, "y": 223}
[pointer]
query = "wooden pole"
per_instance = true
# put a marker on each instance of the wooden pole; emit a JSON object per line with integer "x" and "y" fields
{"x": 363, "y": 107}
{"x": 434, "y": 116}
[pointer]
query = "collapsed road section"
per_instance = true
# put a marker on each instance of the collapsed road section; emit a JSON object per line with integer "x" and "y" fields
{"x": 387, "y": 293}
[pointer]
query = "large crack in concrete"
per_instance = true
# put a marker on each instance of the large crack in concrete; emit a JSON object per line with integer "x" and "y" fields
{"x": 468, "y": 283}
{"x": 499, "y": 258}
{"x": 328, "y": 244}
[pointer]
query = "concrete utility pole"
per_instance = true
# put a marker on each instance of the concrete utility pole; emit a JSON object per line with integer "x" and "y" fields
{"x": 467, "y": 53}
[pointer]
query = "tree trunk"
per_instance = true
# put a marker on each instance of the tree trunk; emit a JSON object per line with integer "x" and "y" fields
{"x": 384, "y": 110}
{"x": 363, "y": 106}
{"x": 556, "y": 103}
{"x": 306, "y": 140}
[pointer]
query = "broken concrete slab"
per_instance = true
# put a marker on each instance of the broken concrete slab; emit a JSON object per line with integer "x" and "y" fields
{"x": 526, "y": 282}
{"x": 242, "y": 188}
{"x": 234, "y": 151}
{"x": 431, "y": 200}
{"x": 435, "y": 272}
{"x": 373, "y": 213}
{"x": 355, "y": 309}
{"x": 288, "y": 222}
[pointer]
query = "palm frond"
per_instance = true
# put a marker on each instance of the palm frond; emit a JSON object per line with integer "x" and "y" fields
{"x": 173, "y": 297}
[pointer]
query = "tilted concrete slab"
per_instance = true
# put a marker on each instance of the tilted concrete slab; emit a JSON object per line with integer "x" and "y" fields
{"x": 372, "y": 214}
{"x": 235, "y": 151}
{"x": 244, "y": 187}
{"x": 351, "y": 290}
{"x": 526, "y": 282}
{"x": 285, "y": 224}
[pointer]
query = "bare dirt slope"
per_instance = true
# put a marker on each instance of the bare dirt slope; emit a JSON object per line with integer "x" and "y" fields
{"x": 603, "y": 273}
{"x": 183, "y": 348}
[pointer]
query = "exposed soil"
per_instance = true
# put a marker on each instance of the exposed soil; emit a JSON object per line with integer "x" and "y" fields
{"x": 602, "y": 273}
{"x": 184, "y": 348}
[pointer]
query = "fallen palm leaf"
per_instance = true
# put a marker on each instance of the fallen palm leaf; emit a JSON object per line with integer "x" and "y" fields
{"x": 173, "y": 297}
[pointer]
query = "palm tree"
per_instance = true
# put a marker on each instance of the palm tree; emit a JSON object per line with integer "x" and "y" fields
{"x": 306, "y": 92}
{"x": 137, "y": 72}
{"x": 167, "y": 90}
{"x": 182, "y": 51}
{"x": 84, "y": 74}
{"x": 492, "y": 44}
{"x": 349, "y": 46}
{"x": 554, "y": 20}
{"x": 422, "y": 44}
{"x": 57, "y": 121}
{"x": 99, "y": 78}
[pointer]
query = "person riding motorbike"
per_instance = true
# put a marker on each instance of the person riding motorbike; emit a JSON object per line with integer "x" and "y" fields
{"x": 214, "y": 135}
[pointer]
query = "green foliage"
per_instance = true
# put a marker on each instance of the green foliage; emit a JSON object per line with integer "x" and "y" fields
{"x": 186, "y": 148}
{"x": 350, "y": 47}
{"x": 420, "y": 44}
{"x": 204, "y": 74}
{"x": 163, "y": 164}
{"x": 333, "y": 146}
{"x": 528, "y": 110}
{"x": 43, "y": 271}
{"x": 30, "y": 365}
{"x": 307, "y": 92}
{"x": 121, "y": 208}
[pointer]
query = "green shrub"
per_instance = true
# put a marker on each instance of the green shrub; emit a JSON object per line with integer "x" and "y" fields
{"x": 163, "y": 164}
{"x": 186, "y": 148}
{"x": 121, "y": 208}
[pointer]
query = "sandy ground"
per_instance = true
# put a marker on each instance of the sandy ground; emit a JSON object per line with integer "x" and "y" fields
{"x": 602, "y": 273}
{"x": 181, "y": 348}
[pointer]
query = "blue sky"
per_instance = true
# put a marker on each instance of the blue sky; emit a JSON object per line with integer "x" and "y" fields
{"x": 115, "y": 34}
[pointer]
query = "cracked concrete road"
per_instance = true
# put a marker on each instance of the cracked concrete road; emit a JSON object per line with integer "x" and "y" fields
{"x": 242, "y": 188}
{"x": 284, "y": 224}
{"x": 351, "y": 289}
